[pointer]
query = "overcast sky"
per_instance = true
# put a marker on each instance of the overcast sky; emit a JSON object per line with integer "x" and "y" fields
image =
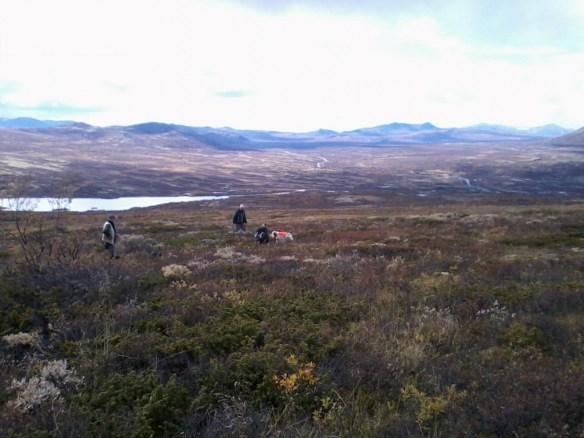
{"x": 294, "y": 65}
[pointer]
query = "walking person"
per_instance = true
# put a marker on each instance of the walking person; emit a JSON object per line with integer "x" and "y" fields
{"x": 239, "y": 220}
{"x": 109, "y": 236}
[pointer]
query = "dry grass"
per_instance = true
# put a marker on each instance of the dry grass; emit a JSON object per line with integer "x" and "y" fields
{"x": 422, "y": 321}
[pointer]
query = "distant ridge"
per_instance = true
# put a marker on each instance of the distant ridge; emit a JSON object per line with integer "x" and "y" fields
{"x": 151, "y": 128}
{"x": 575, "y": 138}
{"x": 550, "y": 130}
{"x": 323, "y": 132}
{"x": 390, "y": 134}
{"x": 394, "y": 128}
{"x": 30, "y": 123}
{"x": 547, "y": 131}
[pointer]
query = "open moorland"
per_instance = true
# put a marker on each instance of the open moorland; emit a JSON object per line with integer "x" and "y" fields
{"x": 458, "y": 319}
{"x": 157, "y": 160}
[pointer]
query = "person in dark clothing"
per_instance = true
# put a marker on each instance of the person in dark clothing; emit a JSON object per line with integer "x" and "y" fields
{"x": 109, "y": 236}
{"x": 262, "y": 235}
{"x": 239, "y": 220}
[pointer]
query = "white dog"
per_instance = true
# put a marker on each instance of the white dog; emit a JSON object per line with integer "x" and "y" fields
{"x": 281, "y": 236}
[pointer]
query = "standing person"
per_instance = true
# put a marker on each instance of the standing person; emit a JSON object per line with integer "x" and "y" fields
{"x": 109, "y": 236}
{"x": 239, "y": 220}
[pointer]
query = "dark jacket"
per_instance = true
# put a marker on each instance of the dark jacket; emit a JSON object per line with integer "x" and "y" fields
{"x": 239, "y": 217}
{"x": 262, "y": 235}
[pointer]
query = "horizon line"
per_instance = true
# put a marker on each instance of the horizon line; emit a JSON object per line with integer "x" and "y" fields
{"x": 115, "y": 125}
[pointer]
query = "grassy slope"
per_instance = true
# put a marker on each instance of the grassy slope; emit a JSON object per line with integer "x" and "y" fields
{"x": 376, "y": 321}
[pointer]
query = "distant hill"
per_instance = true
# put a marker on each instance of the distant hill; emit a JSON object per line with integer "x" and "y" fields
{"x": 575, "y": 138}
{"x": 237, "y": 139}
{"x": 151, "y": 128}
{"x": 30, "y": 123}
{"x": 323, "y": 132}
{"x": 550, "y": 130}
{"x": 502, "y": 129}
{"x": 546, "y": 131}
{"x": 394, "y": 128}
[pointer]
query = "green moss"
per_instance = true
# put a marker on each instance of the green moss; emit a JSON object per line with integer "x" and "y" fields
{"x": 183, "y": 241}
{"x": 228, "y": 334}
{"x": 514, "y": 295}
{"x": 151, "y": 280}
{"x": 162, "y": 411}
{"x": 132, "y": 404}
{"x": 569, "y": 239}
{"x": 19, "y": 308}
{"x": 69, "y": 349}
{"x": 523, "y": 336}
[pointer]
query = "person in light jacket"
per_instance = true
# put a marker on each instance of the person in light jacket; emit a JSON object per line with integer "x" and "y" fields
{"x": 109, "y": 236}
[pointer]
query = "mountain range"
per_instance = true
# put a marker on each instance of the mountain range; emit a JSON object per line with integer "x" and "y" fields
{"x": 240, "y": 139}
{"x": 30, "y": 123}
{"x": 161, "y": 159}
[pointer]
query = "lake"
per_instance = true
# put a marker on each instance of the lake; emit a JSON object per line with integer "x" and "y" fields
{"x": 98, "y": 204}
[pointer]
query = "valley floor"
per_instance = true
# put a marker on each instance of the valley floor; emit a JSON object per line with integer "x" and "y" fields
{"x": 460, "y": 319}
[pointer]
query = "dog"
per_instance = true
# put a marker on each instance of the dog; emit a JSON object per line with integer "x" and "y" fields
{"x": 262, "y": 235}
{"x": 281, "y": 236}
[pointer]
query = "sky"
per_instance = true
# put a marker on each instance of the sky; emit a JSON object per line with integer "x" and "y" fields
{"x": 294, "y": 65}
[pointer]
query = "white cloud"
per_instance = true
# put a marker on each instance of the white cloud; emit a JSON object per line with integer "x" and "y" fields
{"x": 295, "y": 70}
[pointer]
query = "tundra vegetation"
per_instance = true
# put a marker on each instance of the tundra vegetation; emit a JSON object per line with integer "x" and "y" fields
{"x": 452, "y": 320}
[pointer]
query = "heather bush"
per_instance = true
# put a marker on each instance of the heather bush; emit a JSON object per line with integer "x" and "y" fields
{"x": 138, "y": 243}
{"x": 22, "y": 339}
{"x": 175, "y": 272}
{"x": 46, "y": 387}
